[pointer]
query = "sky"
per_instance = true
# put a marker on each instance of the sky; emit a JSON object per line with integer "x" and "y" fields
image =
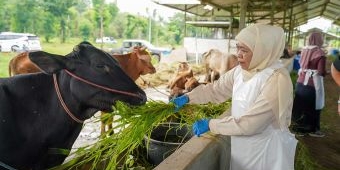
{"x": 318, "y": 22}
{"x": 140, "y": 6}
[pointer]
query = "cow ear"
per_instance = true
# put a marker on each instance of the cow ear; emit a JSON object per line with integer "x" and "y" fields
{"x": 143, "y": 48}
{"x": 47, "y": 62}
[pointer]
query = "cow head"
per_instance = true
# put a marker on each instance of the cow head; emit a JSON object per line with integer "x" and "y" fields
{"x": 191, "y": 83}
{"x": 183, "y": 66}
{"x": 96, "y": 67}
{"x": 144, "y": 64}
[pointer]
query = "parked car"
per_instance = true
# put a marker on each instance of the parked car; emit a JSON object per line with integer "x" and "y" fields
{"x": 11, "y": 41}
{"x": 156, "y": 52}
{"x": 106, "y": 40}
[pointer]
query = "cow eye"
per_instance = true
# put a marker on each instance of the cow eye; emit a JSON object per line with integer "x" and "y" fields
{"x": 103, "y": 67}
{"x": 100, "y": 66}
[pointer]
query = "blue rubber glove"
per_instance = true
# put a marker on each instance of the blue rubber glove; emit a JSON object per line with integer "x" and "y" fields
{"x": 180, "y": 102}
{"x": 201, "y": 126}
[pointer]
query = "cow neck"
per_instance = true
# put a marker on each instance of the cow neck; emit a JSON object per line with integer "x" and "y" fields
{"x": 56, "y": 86}
{"x": 102, "y": 87}
{"x": 126, "y": 63}
{"x": 134, "y": 75}
{"x": 86, "y": 82}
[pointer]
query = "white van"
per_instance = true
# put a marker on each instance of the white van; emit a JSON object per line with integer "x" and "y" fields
{"x": 10, "y": 41}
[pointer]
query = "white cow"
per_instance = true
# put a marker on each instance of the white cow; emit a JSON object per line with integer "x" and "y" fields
{"x": 217, "y": 63}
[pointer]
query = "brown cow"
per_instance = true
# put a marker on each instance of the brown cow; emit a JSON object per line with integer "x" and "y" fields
{"x": 21, "y": 64}
{"x": 217, "y": 63}
{"x": 183, "y": 72}
{"x": 134, "y": 64}
{"x": 184, "y": 81}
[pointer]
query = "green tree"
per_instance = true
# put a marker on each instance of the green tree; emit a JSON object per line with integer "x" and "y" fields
{"x": 104, "y": 15}
{"x": 59, "y": 8}
{"x": 119, "y": 25}
{"x": 77, "y": 13}
{"x": 89, "y": 15}
{"x": 49, "y": 26}
{"x": 26, "y": 16}
{"x": 136, "y": 27}
{"x": 5, "y": 14}
{"x": 112, "y": 12}
{"x": 175, "y": 28}
{"x": 85, "y": 29}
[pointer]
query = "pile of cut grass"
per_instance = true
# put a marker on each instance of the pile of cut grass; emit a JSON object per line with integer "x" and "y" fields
{"x": 120, "y": 150}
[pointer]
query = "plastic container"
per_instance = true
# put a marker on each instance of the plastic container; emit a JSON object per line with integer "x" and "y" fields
{"x": 165, "y": 139}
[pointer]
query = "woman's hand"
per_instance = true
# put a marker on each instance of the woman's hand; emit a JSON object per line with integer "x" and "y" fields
{"x": 201, "y": 126}
{"x": 180, "y": 102}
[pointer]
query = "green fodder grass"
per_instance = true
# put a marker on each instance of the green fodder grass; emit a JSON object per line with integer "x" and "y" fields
{"x": 118, "y": 151}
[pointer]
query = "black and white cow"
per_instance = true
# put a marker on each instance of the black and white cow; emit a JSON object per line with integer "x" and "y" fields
{"x": 43, "y": 112}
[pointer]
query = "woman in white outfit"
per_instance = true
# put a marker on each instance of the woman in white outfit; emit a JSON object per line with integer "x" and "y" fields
{"x": 262, "y": 98}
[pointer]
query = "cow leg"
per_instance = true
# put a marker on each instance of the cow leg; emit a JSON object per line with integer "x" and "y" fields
{"x": 208, "y": 76}
{"x": 212, "y": 76}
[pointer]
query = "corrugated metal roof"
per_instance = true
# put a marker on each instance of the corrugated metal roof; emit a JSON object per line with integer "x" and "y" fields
{"x": 286, "y": 13}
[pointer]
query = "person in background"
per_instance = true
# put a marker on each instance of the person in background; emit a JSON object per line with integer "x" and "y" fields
{"x": 262, "y": 96}
{"x": 335, "y": 72}
{"x": 309, "y": 90}
{"x": 296, "y": 62}
{"x": 285, "y": 53}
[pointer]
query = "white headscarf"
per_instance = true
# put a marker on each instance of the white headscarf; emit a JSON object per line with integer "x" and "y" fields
{"x": 266, "y": 42}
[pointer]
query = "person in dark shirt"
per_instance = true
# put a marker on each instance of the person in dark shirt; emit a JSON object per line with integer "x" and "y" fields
{"x": 296, "y": 63}
{"x": 309, "y": 96}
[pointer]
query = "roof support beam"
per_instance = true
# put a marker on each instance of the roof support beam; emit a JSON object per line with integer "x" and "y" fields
{"x": 243, "y": 10}
{"x": 215, "y": 5}
{"x": 324, "y": 7}
{"x": 272, "y": 11}
{"x": 284, "y": 16}
{"x": 290, "y": 25}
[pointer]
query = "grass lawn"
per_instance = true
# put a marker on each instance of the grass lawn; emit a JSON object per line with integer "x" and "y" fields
{"x": 4, "y": 60}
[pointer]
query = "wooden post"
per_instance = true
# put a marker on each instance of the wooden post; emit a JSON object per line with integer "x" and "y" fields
{"x": 243, "y": 12}
{"x": 272, "y": 12}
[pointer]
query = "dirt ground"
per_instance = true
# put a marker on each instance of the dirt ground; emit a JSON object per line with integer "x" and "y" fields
{"x": 326, "y": 151}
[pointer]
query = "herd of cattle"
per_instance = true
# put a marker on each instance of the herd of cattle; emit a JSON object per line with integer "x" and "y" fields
{"x": 63, "y": 91}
